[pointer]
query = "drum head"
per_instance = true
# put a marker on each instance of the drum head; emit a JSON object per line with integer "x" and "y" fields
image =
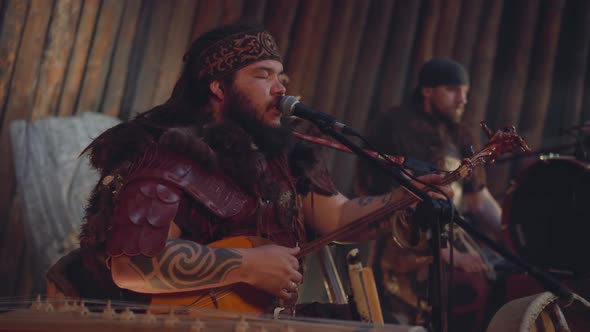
{"x": 546, "y": 216}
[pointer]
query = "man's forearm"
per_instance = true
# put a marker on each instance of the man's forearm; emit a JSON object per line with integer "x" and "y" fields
{"x": 486, "y": 211}
{"x": 361, "y": 207}
{"x": 182, "y": 266}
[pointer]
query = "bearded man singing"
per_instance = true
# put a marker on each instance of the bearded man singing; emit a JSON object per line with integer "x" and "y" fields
{"x": 216, "y": 161}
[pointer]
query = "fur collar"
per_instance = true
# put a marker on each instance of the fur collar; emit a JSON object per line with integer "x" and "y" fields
{"x": 235, "y": 152}
{"x": 224, "y": 145}
{"x": 228, "y": 146}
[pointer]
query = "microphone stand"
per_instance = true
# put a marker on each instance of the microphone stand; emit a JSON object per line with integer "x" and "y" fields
{"x": 580, "y": 147}
{"x": 552, "y": 149}
{"x": 431, "y": 213}
{"x": 430, "y": 209}
{"x": 547, "y": 280}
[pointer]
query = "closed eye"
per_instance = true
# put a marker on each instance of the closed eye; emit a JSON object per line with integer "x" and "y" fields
{"x": 262, "y": 73}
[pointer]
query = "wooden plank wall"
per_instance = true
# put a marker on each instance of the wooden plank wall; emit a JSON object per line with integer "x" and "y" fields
{"x": 528, "y": 60}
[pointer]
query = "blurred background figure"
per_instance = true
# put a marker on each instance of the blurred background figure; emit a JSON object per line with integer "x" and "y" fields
{"x": 427, "y": 127}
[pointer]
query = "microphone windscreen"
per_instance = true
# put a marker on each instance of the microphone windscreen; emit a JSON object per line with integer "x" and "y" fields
{"x": 287, "y": 104}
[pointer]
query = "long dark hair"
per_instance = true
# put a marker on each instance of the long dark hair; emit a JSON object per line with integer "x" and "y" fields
{"x": 186, "y": 107}
{"x": 115, "y": 149}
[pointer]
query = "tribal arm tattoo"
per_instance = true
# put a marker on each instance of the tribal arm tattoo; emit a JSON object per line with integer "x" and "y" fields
{"x": 377, "y": 201}
{"x": 362, "y": 207}
{"x": 365, "y": 200}
{"x": 185, "y": 266}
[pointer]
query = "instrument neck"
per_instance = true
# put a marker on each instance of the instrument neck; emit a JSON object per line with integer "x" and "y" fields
{"x": 364, "y": 222}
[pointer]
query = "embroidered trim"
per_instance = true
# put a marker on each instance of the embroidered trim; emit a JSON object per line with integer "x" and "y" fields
{"x": 236, "y": 51}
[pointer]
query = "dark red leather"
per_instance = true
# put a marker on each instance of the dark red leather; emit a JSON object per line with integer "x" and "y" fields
{"x": 273, "y": 212}
{"x": 149, "y": 200}
{"x": 142, "y": 217}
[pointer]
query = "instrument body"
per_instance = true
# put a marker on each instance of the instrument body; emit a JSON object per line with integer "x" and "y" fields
{"x": 545, "y": 215}
{"x": 50, "y": 314}
{"x": 364, "y": 290}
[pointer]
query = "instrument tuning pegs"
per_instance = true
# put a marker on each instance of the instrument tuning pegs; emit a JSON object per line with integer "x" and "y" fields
{"x": 242, "y": 325}
{"x": 108, "y": 313}
{"x": 47, "y": 306}
{"x": 197, "y": 326}
{"x": 37, "y": 305}
{"x": 83, "y": 310}
{"x": 486, "y": 129}
{"x": 127, "y": 314}
{"x": 65, "y": 307}
{"x": 149, "y": 317}
{"x": 171, "y": 320}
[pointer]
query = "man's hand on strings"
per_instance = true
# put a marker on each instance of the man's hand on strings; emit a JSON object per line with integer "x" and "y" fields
{"x": 274, "y": 269}
{"x": 435, "y": 180}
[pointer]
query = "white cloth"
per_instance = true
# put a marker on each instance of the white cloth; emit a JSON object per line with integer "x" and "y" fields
{"x": 53, "y": 181}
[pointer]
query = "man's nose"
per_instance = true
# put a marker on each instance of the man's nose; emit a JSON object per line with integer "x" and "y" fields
{"x": 278, "y": 88}
{"x": 463, "y": 98}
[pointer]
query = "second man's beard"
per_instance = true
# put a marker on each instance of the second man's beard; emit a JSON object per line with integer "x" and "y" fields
{"x": 271, "y": 140}
{"x": 446, "y": 117}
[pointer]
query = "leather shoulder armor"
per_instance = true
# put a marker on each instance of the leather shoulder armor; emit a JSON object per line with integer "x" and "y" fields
{"x": 150, "y": 197}
{"x": 142, "y": 218}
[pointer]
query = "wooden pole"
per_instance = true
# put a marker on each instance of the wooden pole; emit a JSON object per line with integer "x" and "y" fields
{"x": 10, "y": 35}
{"x": 316, "y": 50}
{"x": 13, "y": 241}
{"x": 300, "y": 53}
{"x": 397, "y": 56}
{"x": 151, "y": 57}
{"x": 99, "y": 59}
{"x": 333, "y": 56}
{"x": 484, "y": 59}
{"x": 513, "y": 80}
{"x": 207, "y": 17}
{"x": 279, "y": 22}
{"x": 570, "y": 72}
{"x": 79, "y": 57}
{"x": 232, "y": 11}
{"x": 14, "y": 21}
{"x": 426, "y": 38}
{"x": 447, "y": 27}
{"x": 177, "y": 42}
{"x": 537, "y": 101}
{"x": 120, "y": 67}
{"x": 365, "y": 77}
{"x": 467, "y": 30}
{"x": 254, "y": 11}
{"x": 19, "y": 103}
{"x": 354, "y": 32}
{"x": 55, "y": 59}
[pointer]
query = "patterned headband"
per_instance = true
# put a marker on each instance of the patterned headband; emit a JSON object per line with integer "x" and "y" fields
{"x": 237, "y": 51}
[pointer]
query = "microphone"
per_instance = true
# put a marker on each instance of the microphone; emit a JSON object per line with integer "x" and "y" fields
{"x": 289, "y": 105}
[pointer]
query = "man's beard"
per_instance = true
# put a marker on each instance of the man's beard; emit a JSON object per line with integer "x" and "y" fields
{"x": 272, "y": 140}
{"x": 450, "y": 118}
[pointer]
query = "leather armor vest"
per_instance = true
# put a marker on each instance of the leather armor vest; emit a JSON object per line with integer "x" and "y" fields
{"x": 206, "y": 205}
